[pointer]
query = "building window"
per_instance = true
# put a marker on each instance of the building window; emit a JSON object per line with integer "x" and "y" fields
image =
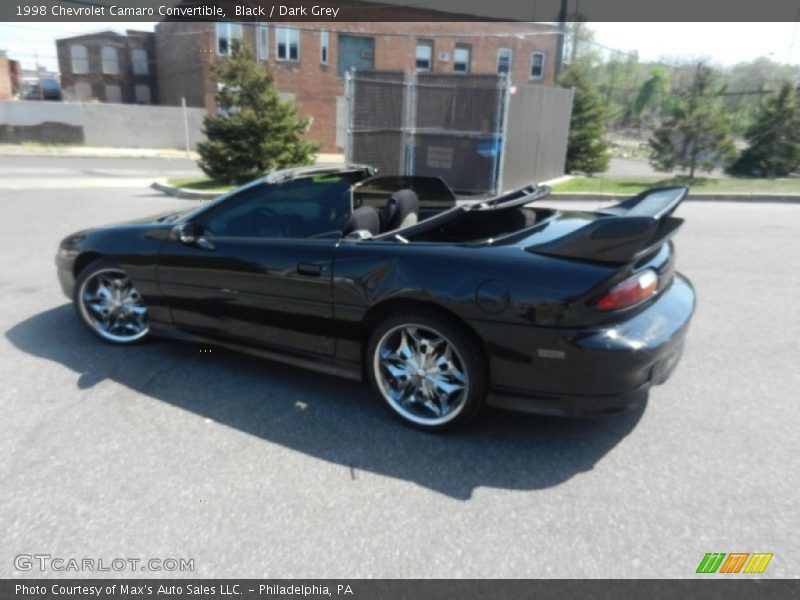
{"x": 226, "y": 33}
{"x": 142, "y": 93}
{"x": 461, "y": 59}
{"x": 263, "y": 42}
{"x": 113, "y": 94}
{"x": 83, "y": 91}
{"x": 323, "y": 47}
{"x": 80, "y": 59}
{"x": 139, "y": 61}
{"x": 505, "y": 57}
{"x": 537, "y": 65}
{"x": 110, "y": 60}
{"x": 287, "y": 43}
{"x": 424, "y": 56}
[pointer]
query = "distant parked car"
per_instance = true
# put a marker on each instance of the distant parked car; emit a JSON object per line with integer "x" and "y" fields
{"x": 46, "y": 88}
{"x": 442, "y": 307}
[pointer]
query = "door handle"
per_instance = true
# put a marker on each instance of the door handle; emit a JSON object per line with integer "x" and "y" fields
{"x": 309, "y": 269}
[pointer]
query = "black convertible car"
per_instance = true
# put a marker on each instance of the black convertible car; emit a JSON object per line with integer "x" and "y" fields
{"x": 443, "y": 305}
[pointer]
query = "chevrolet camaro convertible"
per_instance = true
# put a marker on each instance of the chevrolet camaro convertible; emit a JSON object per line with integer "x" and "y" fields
{"x": 443, "y": 305}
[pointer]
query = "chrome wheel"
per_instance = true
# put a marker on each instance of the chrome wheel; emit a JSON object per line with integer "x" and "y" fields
{"x": 112, "y": 307}
{"x": 421, "y": 374}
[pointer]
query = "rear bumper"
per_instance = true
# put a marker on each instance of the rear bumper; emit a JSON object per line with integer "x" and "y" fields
{"x": 595, "y": 371}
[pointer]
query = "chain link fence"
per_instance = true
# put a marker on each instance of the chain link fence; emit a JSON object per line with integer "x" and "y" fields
{"x": 452, "y": 126}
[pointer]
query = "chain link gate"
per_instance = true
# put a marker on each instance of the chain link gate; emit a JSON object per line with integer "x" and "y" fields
{"x": 429, "y": 124}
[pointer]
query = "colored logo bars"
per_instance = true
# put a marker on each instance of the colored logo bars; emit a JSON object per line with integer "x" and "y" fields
{"x": 713, "y": 562}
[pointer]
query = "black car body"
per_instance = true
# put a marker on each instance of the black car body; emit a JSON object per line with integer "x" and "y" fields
{"x": 560, "y": 311}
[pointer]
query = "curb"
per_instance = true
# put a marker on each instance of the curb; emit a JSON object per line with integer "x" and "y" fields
{"x": 179, "y": 192}
{"x": 754, "y": 198}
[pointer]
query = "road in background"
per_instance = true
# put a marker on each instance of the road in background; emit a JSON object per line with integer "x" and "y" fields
{"x": 640, "y": 167}
{"x": 256, "y": 469}
{"x": 40, "y": 172}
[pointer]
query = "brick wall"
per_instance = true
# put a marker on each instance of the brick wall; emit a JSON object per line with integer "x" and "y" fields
{"x": 5, "y": 79}
{"x": 185, "y": 51}
{"x": 97, "y": 81}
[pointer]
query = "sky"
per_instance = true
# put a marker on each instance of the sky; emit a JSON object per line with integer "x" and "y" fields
{"x": 722, "y": 43}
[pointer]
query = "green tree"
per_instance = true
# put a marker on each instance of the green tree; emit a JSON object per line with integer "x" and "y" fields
{"x": 774, "y": 138}
{"x": 587, "y": 151}
{"x": 696, "y": 135}
{"x": 651, "y": 95}
{"x": 255, "y": 131}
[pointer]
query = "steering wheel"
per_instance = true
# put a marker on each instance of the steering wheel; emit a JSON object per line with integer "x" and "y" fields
{"x": 271, "y": 215}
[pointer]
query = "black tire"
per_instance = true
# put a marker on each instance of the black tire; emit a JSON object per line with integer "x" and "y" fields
{"x": 466, "y": 352}
{"x": 119, "y": 336}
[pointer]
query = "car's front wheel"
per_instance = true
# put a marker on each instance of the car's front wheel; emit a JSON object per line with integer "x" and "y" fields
{"x": 429, "y": 371}
{"x": 109, "y": 304}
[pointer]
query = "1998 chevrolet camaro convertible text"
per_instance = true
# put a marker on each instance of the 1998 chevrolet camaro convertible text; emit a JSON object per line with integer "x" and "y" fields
{"x": 444, "y": 306}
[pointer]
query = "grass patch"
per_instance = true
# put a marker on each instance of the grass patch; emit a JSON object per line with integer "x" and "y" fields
{"x": 203, "y": 184}
{"x": 634, "y": 185}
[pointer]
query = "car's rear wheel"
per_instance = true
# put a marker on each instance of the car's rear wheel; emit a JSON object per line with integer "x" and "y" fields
{"x": 429, "y": 371}
{"x": 109, "y": 304}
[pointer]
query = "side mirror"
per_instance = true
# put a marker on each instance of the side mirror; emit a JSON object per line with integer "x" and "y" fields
{"x": 190, "y": 234}
{"x": 185, "y": 233}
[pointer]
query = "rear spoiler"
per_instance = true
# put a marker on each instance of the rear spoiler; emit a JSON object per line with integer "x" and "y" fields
{"x": 625, "y": 232}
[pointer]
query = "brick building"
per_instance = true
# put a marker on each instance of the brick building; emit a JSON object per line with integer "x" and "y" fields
{"x": 9, "y": 77}
{"x": 109, "y": 67}
{"x": 309, "y": 60}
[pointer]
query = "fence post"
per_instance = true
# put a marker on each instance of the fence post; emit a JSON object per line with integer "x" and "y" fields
{"x": 408, "y": 126}
{"x": 504, "y": 100}
{"x": 348, "y": 99}
{"x": 186, "y": 127}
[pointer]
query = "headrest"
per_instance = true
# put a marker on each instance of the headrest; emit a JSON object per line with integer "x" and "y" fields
{"x": 365, "y": 217}
{"x": 401, "y": 210}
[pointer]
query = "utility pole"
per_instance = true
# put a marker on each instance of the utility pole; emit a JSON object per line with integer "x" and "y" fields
{"x": 562, "y": 26}
{"x": 576, "y": 36}
{"x": 186, "y": 128}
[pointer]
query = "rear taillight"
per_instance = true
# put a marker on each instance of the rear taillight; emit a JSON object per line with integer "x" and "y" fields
{"x": 631, "y": 291}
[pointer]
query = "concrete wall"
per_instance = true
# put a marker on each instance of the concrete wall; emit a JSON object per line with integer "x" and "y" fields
{"x": 107, "y": 125}
{"x": 537, "y": 132}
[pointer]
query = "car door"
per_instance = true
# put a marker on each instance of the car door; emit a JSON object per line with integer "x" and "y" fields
{"x": 258, "y": 269}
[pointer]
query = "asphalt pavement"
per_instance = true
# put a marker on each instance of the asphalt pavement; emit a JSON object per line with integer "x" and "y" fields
{"x": 255, "y": 469}
{"x": 27, "y": 172}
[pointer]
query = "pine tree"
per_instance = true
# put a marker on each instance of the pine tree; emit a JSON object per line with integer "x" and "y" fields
{"x": 587, "y": 151}
{"x": 774, "y": 138}
{"x": 255, "y": 132}
{"x": 696, "y": 135}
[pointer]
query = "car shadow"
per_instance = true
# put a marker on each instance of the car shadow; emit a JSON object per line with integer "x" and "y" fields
{"x": 332, "y": 419}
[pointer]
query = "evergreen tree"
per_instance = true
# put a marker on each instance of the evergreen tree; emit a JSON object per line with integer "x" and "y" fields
{"x": 696, "y": 135}
{"x": 774, "y": 138}
{"x": 587, "y": 151}
{"x": 255, "y": 132}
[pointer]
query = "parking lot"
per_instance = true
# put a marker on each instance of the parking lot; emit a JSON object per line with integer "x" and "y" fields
{"x": 256, "y": 469}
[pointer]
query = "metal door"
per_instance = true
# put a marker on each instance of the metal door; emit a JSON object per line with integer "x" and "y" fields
{"x": 355, "y": 53}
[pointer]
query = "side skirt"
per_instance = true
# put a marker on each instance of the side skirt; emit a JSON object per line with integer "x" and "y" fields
{"x": 347, "y": 370}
